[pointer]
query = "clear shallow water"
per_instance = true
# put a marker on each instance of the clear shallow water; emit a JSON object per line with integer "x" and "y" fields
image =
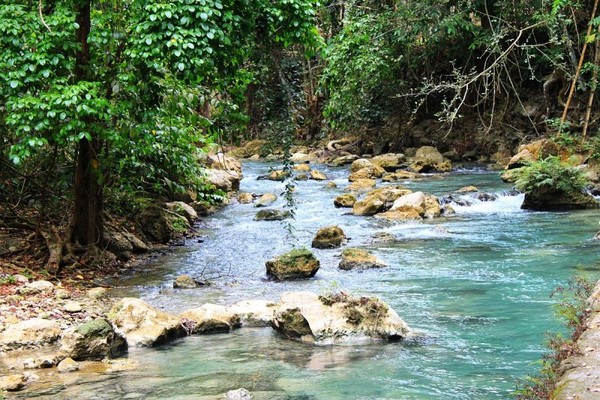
{"x": 476, "y": 284}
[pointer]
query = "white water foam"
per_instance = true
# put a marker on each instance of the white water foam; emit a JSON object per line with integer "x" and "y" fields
{"x": 504, "y": 204}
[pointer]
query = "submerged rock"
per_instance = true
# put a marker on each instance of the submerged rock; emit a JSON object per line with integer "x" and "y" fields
{"x": 144, "y": 325}
{"x": 271, "y": 214}
{"x": 296, "y": 264}
{"x": 337, "y": 318}
{"x": 266, "y": 200}
{"x": 329, "y": 237}
{"x": 354, "y": 258}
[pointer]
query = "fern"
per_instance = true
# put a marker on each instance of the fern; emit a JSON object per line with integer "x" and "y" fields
{"x": 549, "y": 174}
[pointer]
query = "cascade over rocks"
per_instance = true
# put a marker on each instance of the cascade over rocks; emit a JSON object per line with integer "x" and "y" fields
{"x": 143, "y": 325}
{"x": 354, "y": 258}
{"x": 337, "y": 319}
{"x": 93, "y": 340}
{"x": 329, "y": 237}
{"x": 296, "y": 264}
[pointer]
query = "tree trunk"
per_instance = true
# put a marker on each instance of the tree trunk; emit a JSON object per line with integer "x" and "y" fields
{"x": 87, "y": 215}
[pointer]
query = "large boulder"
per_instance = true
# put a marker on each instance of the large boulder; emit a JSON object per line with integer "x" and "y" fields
{"x": 209, "y": 318}
{"x": 144, "y": 325}
{"x": 337, "y": 318}
{"x": 361, "y": 185}
{"x": 254, "y": 312}
{"x": 533, "y": 151}
{"x": 31, "y": 333}
{"x": 400, "y": 176}
{"x": 316, "y": 175}
{"x": 364, "y": 169}
{"x": 252, "y": 148}
{"x": 296, "y": 264}
{"x": 412, "y": 201}
{"x": 429, "y": 159}
{"x": 12, "y": 383}
{"x": 370, "y": 205}
{"x": 544, "y": 199}
{"x": 227, "y": 181}
{"x": 329, "y": 237}
{"x": 183, "y": 209}
{"x": 345, "y": 200}
{"x": 390, "y": 162}
{"x": 224, "y": 162}
{"x": 354, "y": 258}
{"x": 160, "y": 225}
{"x": 93, "y": 340}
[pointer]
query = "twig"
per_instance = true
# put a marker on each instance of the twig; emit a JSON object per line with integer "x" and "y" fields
{"x": 42, "y": 16}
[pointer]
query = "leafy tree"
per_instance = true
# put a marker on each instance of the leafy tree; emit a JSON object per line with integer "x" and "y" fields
{"x": 124, "y": 87}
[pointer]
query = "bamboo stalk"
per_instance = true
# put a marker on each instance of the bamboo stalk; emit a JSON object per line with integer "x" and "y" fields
{"x": 578, "y": 71}
{"x": 594, "y": 84}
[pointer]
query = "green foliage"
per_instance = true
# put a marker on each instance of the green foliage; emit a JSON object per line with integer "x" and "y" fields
{"x": 164, "y": 80}
{"x": 549, "y": 174}
{"x": 573, "y": 309}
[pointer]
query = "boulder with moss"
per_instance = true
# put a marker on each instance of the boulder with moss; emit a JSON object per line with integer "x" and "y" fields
{"x": 295, "y": 264}
{"x": 328, "y": 237}
{"x": 337, "y": 319}
{"x": 161, "y": 225}
{"x": 93, "y": 340}
{"x": 354, "y": 258}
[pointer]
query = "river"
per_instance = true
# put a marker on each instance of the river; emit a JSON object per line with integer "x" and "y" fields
{"x": 476, "y": 285}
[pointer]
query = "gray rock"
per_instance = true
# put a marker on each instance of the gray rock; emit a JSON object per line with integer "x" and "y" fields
{"x": 72, "y": 307}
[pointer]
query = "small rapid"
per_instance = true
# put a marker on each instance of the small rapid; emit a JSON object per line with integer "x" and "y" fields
{"x": 475, "y": 284}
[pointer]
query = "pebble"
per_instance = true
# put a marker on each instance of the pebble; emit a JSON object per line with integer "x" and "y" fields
{"x": 72, "y": 307}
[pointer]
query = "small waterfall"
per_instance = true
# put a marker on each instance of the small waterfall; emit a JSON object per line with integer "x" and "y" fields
{"x": 502, "y": 203}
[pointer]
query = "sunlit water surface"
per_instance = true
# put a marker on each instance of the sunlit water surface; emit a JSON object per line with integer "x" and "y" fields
{"x": 476, "y": 285}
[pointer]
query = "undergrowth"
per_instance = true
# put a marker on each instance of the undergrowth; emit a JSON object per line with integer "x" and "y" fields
{"x": 573, "y": 309}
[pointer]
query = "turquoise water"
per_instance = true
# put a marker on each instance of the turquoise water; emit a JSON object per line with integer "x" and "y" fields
{"x": 475, "y": 285}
